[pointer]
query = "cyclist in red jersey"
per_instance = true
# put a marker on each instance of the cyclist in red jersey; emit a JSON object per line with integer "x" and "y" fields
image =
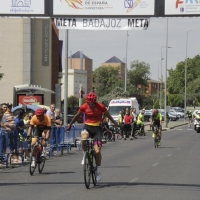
{"x": 93, "y": 116}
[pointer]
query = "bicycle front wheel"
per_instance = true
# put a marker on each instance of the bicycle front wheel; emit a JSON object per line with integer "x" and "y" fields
{"x": 87, "y": 173}
{"x": 41, "y": 165}
{"x": 94, "y": 169}
{"x": 32, "y": 169}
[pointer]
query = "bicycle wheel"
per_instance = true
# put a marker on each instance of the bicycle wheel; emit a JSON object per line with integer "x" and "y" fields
{"x": 41, "y": 165}
{"x": 94, "y": 169}
{"x": 87, "y": 173}
{"x": 32, "y": 169}
{"x": 155, "y": 143}
{"x": 119, "y": 137}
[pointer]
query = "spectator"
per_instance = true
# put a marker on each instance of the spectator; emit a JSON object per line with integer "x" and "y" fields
{"x": 4, "y": 107}
{"x": 3, "y": 131}
{"x": 30, "y": 115}
{"x": 134, "y": 115}
{"x": 8, "y": 120}
{"x": 127, "y": 124}
{"x": 58, "y": 118}
{"x": 106, "y": 126}
{"x": 51, "y": 112}
{"x": 120, "y": 122}
{"x": 20, "y": 126}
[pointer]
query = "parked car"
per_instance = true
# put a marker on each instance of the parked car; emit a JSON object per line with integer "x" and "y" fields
{"x": 147, "y": 115}
{"x": 179, "y": 114}
{"x": 172, "y": 116}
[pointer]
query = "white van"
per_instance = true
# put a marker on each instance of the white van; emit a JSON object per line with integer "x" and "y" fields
{"x": 117, "y": 105}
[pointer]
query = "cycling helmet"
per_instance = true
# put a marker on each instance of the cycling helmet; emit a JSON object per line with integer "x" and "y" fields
{"x": 155, "y": 112}
{"x": 39, "y": 112}
{"x": 198, "y": 112}
{"x": 91, "y": 98}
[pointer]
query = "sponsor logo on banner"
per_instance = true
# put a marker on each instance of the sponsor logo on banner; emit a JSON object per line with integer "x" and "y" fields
{"x": 21, "y": 6}
{"x": 104, "y": 7}
{"x": 182, "y": 7}
{"x": 102, "y": 23}
{"x": 29, "y": 100}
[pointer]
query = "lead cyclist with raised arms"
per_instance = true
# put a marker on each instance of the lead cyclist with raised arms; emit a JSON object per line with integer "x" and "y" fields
{"x": 93, "y": 116}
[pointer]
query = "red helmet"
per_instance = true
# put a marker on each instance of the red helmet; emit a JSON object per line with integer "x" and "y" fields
{"x": 91, "y": 97}
{"x": 39, "y": 112}
{"x": 155, "y": 112}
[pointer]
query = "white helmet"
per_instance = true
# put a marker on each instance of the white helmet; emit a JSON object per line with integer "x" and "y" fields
{"x": 198, "y": 112}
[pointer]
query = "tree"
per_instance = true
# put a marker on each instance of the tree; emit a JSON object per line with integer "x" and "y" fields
{"x": 138, "y": 75}
{"x": 115, "y": 93}
{"x": 72, "y": 102}
{"x": 107, "y": 78}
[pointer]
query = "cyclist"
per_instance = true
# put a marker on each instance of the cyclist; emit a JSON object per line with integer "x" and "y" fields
{"x": 190, "y": 118}
{"x": 156, "y": 119}
{"x": 42, "y": 125}
{"x": 141, "y": 117}
{"x": 93, "y": 116}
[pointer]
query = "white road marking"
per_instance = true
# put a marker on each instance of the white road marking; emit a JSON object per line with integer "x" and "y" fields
{"x": 134, "y": 180}
{"x": 169, "y": 155}
{"x": 178, "y": 129}
{"x": 155, "y": 164}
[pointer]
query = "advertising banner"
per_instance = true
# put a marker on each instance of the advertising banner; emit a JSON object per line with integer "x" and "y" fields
{"x": 18, "y": 7}
{"x": 29, "y": 100}
{"x": 182, "y": 7}
{"x": 45, "y": 42}
{"x": 104, "y": 7}
{"x": 102, "y": 23}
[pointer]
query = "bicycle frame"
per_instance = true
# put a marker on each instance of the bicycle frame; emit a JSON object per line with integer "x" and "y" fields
{"x": 89, "y": 168}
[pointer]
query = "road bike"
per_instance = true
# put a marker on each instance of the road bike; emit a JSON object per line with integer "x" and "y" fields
{"x": 112, "y": 136}
{"x": 39, "y": 160}
{"x": 90, "y": 168}
{"x": 156, "y": 138}
{"x": 139, "y": 130}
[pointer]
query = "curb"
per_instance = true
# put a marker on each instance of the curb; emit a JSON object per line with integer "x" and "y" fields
{"x": 165, "y": 129}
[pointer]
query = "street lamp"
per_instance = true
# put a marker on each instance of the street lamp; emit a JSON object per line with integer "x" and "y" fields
{"x": 126, "y": 61}
{"x": 186, "y": 75}
{"x": 161, "y": 82}
{"x": 161, "y": 72}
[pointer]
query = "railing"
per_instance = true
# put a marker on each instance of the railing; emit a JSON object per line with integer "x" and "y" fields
{"x": 59, "y": 139}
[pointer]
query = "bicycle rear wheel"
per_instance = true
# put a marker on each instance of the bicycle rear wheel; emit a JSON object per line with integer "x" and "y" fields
{"x": 41, "y": 165}
{"x": 32, "y": 169}
{"x": 87, "y": 173}
{"x": 94, "y": 169}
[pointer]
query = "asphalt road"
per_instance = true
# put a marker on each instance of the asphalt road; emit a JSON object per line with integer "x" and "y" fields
{"x": 130, "y": 170}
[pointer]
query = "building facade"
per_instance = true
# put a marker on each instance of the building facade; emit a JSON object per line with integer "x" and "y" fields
{"x": 26, "y": 55}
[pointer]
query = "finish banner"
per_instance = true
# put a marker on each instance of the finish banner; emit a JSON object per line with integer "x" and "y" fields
{"x": 102, "y": 23}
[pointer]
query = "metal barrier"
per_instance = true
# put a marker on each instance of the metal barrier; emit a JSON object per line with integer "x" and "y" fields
{"x": 59, "y": 139}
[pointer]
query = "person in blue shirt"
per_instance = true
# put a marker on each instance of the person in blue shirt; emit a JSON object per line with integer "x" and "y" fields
{"x": 20, "y": 126}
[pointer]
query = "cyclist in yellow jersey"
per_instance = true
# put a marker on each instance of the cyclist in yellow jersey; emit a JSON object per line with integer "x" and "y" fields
{"x": 156, "y": 119}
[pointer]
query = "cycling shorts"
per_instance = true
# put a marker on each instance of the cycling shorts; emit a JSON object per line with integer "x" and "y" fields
{"x": 38, "y": 132}
{"x": 94, "y": 133}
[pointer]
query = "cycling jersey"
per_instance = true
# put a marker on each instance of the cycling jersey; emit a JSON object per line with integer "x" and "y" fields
{"x": 44, "y": 124}
{"x": 157, "y": 117}
{"x": 141, "y": 117}
{"x": 93, "y": 117}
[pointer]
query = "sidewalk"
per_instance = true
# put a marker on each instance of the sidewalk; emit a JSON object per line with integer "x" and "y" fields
{"x": 171, "y": 125}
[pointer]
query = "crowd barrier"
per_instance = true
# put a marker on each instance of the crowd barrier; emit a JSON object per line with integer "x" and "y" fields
{"x": 59, "y": 139}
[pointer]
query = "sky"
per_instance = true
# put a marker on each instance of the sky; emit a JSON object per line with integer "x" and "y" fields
{"x": 143, "y": 45}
